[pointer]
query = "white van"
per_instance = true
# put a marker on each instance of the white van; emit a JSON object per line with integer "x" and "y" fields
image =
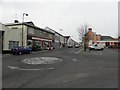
{"x": 96, "y": 47}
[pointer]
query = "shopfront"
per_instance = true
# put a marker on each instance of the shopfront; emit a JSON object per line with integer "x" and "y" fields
{"x": 43, "y": 43}
{"x": 32, "y": 36}
{"x": 39, "y": 37}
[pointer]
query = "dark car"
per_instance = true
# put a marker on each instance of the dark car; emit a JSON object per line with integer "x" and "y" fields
{"x": 21, "y": 50}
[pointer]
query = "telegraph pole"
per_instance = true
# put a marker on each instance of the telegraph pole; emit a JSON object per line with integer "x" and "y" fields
{"x": 24, "y": 14}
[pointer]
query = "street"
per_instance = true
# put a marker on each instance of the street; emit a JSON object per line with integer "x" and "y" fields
{"x": 77, "y": 69}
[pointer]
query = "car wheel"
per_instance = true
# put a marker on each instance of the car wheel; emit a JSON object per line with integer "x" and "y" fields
{"x": 20, "y": 53}
{"x": 102, "y": 49}
{"x": 30, "y": 52}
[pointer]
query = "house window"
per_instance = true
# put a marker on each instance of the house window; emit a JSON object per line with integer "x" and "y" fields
{"x": 13, "y": 44}
{"x": 14, "y": 28}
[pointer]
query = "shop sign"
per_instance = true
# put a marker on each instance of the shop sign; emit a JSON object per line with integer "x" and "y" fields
{"x": 41, "y": 39}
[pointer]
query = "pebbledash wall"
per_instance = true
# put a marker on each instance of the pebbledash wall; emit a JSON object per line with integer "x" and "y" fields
{"x": 32, "y": 35}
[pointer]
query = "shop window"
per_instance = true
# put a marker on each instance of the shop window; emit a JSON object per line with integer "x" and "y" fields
{"x": 40, "y": 32}
{"x": 13, "y": 44}
{"x": 14, "y": 28}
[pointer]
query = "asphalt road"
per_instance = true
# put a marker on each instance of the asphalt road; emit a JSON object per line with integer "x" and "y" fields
{"x": 78, "y": 69}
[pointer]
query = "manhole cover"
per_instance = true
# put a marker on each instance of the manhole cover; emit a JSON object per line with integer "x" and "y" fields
{"x": 41, "y": 60}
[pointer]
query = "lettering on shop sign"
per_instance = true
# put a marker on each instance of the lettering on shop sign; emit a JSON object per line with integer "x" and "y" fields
{"x": 41, "y": 39}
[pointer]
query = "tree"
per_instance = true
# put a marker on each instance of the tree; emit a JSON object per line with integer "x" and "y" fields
{"x": 82, "y": 31}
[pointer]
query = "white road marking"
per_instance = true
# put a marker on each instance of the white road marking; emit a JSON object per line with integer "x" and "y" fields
{"x": 12, "y": 67}
{"x": 17, "y": 68}
{"x": 78, "y": 51}
{"x": 92, "y": 53}
{"x": 74, "y": 59}
{"x": 65, "y": 81}
{"x": 50, "y": 68}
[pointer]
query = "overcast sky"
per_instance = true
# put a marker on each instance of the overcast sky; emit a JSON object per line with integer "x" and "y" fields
{"x": 68, "y": 15}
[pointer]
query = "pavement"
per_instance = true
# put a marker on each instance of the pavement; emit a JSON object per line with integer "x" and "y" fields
{"x": 78, "y": 69}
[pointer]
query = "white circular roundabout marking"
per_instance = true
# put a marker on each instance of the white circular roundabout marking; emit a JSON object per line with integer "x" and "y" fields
{"x": 41, "y": 60}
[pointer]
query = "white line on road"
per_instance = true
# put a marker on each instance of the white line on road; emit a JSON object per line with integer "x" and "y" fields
{"x": 92, "y": 53}
{"x": 78, "y": 51}
{"x": 65, "y": 81}
{"x": 74, "y": 59}
{"x": 17, "y": 68}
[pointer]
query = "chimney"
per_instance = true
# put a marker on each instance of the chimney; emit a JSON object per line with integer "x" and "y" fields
{"x": 16, "y": 21}
{"x": 90, "y": 29}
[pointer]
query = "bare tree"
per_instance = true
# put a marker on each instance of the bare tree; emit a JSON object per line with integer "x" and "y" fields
{"x": 82, "y": 31}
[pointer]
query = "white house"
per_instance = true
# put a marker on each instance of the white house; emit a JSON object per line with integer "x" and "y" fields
{"x": 70, "y": 42}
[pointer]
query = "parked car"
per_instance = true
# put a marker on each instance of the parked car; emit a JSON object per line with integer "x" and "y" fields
{"x": 70, "y": 46}
{"x": 77, "y": 46}
{"x": 21, "y": 50}
{"x": 36, "y": 48}
{"x": 96, "y": 47}
{"x": 110, "y": 46}
{"x": 92, "y": 47}
{"x": 49, "y": 47}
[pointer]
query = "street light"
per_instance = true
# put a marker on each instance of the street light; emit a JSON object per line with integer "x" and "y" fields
{"x": 59, "y": 37}
{"x": 24, "y": 14}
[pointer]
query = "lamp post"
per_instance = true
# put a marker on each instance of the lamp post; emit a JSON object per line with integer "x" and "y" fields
{"x": 24, "y": 14}
{"x": 59, "y": 37}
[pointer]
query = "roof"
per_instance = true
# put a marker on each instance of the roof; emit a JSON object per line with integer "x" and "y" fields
{"x": 29, "y": 24}
{"x": 49, "y": 29}
{"x": 75, "y": 41}
{"x": 67, "y": 36}
{"x": 106, "y": 38}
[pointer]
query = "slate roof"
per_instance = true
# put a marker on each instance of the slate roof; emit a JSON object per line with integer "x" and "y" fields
{"x": 49, "y": 29}
{"x": 106, "y": 38}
